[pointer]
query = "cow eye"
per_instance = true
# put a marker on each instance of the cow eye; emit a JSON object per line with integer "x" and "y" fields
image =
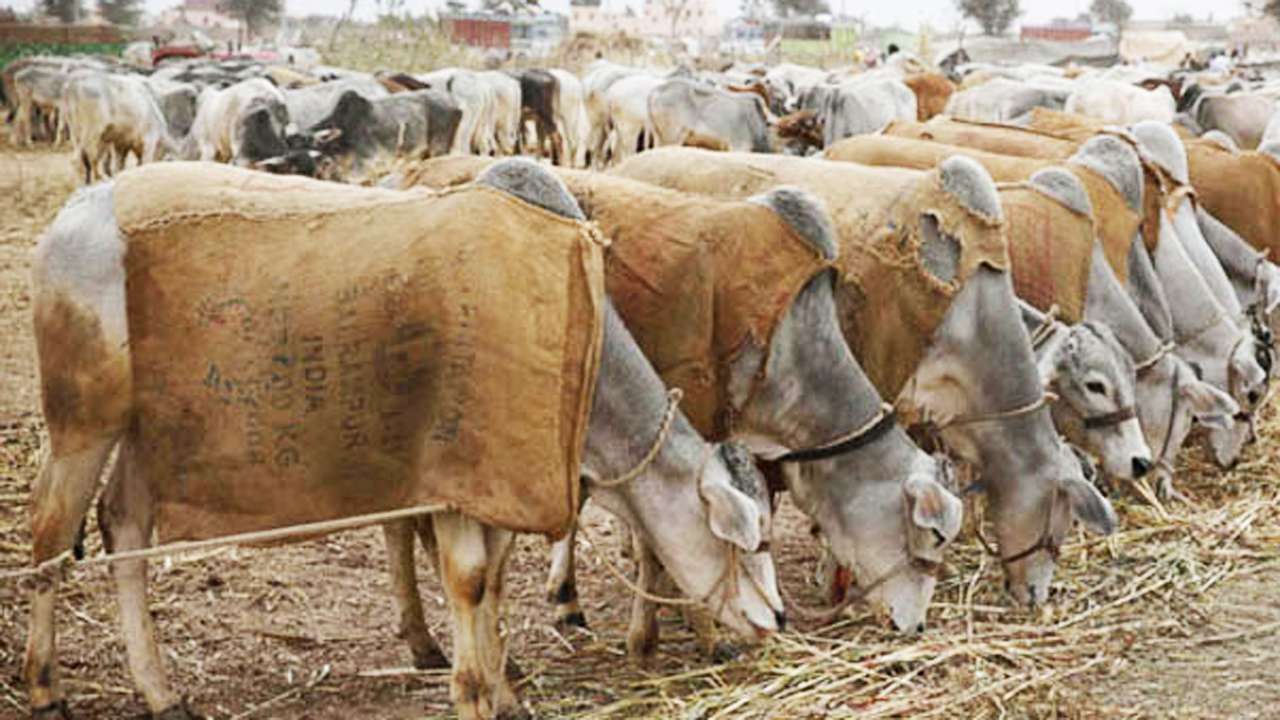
{"x": 1096, "y": 387}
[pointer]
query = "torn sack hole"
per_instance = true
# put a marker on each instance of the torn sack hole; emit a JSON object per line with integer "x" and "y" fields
{"x": 939, "y": 252}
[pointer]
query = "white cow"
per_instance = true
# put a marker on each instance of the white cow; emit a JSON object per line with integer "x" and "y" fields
{"x": 475, "y": 98}
{"x": 111, "y": 117}
{"x": 571, "y": 117}
{"x": 1121, "y": 103}
{"x": 215, "y": 130}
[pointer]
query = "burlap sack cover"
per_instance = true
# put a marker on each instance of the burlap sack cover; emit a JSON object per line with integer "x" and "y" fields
{"x": 1114, "y": 221}
{"x": 694, "y": 278}
{"x": 890, "y": 305}
{"x": 304, "y": 351}
{"x": 992, "y": 137}
{"x": 1050, "y": 250}
{"x": 1241, "y": 189}
{"x": 1054, "y": 135}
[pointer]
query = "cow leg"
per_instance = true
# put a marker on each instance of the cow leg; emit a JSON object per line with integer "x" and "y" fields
{"x": 557, "y": 147}
{"x": 562, "y": 588}
{"x": 468, "y": 570}
{"x": 404, "y": 582}
{"x": 711, "y": 645}
{"x": 642, "y": 634}
{"x": 498, "y": 545}
{"x": 562, "y": 583}
{"x": 125, "y": 514}
{"x": 59, "y": 502}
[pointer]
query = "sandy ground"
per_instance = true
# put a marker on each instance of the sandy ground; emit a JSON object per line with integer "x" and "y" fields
{"x": 308, "y": 631}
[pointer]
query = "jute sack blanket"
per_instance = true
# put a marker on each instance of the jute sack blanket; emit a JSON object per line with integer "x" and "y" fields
{"x": 1241, "y": 189}
{"x": 694, "y": 278}
{"x": 992, "y": 137}
{"x": 1052, "y": 142}
{"x": 304, "y": 351}
{"x": 890, "y": 305}
{"x": 1115, "y": 223}
{"x": 1050, "y": 249}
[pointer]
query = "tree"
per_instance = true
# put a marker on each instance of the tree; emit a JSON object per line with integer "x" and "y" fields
{"x": 68, "y": 11}
{"x": 995, "y": 16}
{"x": 120, "y": 12}
{"x": 1116, "y": 12}
{"x": 253, "y": 14}
{"x": 792, "y": 8}
{"x": 1182, "y": 19}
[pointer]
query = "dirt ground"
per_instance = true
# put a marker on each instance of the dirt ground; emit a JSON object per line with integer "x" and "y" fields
{"x": 1178, "y": 616}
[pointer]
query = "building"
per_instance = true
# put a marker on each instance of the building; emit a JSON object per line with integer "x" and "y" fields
{"x": 693, "y": 18}
{"x": 203, "y": 14}
{"x": 1060, "y": 30}
{"x": 535, "y": 35}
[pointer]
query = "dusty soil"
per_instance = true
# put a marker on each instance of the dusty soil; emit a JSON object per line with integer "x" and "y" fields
{"x": 1179, "y": 616}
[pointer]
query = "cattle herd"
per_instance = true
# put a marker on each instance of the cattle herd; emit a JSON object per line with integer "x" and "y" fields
{"x": 877, "y": 290}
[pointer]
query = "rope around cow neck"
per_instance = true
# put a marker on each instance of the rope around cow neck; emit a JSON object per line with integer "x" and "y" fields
{"x": 674, "y": 395}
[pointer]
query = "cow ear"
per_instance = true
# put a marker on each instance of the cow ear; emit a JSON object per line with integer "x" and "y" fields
{"x": 733, "y": 516}
{"x": 933, "y": 508}
{"x": 1088, "y": 505}
{"x": 326, "y": 136}
{"x": 1210, "y": 406}
{"x": 272, "y": 164}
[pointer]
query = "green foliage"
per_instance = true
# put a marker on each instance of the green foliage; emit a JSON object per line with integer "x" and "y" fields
{"x": 11, "y": 52}
{"x": 120, "y": 12}
{"x": 800, "y": 8}
{"x": 995, "y": 16}
{"x": 253, "y": 13}
{"x": 68, "y": 11}
{"x": 1111, "y": 11}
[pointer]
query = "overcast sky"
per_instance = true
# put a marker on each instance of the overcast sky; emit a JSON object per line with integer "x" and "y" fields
{"x": 909, "y": 13}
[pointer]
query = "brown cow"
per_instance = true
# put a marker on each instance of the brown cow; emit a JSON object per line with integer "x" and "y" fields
{"x": 932, "y": 90}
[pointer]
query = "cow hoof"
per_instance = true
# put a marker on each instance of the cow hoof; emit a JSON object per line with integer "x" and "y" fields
{"x": 177, "y": 712}
{"x": 515, "y": 712}
{"x": 430, "y": 659}
{"x": 572, "y": 620}
{"x": 724, "y": 652}
{"x": 53, "y": 711}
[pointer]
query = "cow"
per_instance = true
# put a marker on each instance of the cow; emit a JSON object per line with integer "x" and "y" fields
{"x": 626, "y": 104}
{"x": 571, "y": 117}
{"x": 1003, "y": 100}
{"x": 309, "y": 104}
{"x": 111, "y": 117}
{"x": 507, "y": 94}
{"x": 996, "y": 422}
{"x": 700, "y": 506}
{"x": 408, "y": 124}
{"x": 178, "y": 102}
{"x": 1119, "y": 102}
{"x": 475, "y": 98}
{"x": 932, "y": 90}
{"x": 595, "y": 87}
{"x": 1114, "y": 179}
{"x": 782, "y": 418}
{"x": 1244, "y": 117}
{"x": 787, "y": 83}
{"x": 218, "y": 132}
{"x": 539, "y": 97}
{"x": 859, "y": 106}
{"x": 38, "y": 92}
{"x": 683, "y": 113}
